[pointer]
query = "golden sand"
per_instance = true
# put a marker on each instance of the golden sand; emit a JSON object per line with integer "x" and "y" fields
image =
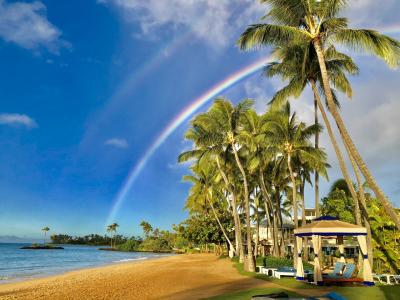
{"x": 177, "y": 277}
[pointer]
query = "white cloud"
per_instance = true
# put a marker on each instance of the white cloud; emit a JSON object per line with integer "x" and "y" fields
{"x": 117, "y": 142}
{"x": 26, "y": 25}
{"x": 216, "y": 22}
{"x": 370, "y": 13}
{"x": 256, "y": 91}
{"x": 17, "y": 120}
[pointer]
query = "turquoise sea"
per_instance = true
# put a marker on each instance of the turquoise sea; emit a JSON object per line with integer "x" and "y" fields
{"x": 17, "y": 264}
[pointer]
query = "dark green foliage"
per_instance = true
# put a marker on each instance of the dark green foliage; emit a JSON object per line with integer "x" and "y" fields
{"x": 130, "y": 245}
{"x": 339, "y": 203}
{"x": 277, "y": 262}
{"x": 156, "y": 240}
{"x": 203, "y": 229}
{"x": 90, "y": 239}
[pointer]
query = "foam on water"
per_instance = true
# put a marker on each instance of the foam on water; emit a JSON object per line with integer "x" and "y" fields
{"x": 131, "y": 259}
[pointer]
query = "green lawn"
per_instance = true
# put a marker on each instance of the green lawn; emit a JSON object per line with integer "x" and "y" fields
{"x": 369, "y": 293}
{"x": 350, "y": 293}
{"x": 249, "y": 293}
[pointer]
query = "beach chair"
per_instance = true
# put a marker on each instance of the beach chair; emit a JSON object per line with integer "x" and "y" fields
{"x": 397, "y": 278}
{"x": 347, "y": 276}
{"x": 337, "y": 271}
{"x": 285, "y": 272}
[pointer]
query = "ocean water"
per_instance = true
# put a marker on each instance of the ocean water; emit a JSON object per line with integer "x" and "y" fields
{"x": 18, "y": 264}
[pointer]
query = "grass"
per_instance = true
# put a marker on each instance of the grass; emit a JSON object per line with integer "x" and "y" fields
{"x": 249, "y": 293}
{"x": 351, "y": 292}
{"x": 369, "y": 293}
{"x": 288, "y": 282}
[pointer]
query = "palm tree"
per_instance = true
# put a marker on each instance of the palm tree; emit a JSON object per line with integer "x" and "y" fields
{"x": 292, "y": 141}
{"x": 147, "y": 228}
{"x": 112, "y": 229}
{"x": 261, "y": 157}
{"x": 210, "y": 145}
{"x": 299, "y": 65}
{"x": 220, "y": 135}
{"x": 222, "y": 125}
{"x": 45, "y": 230}
{"x": 317, "y": 23}
{"x": 233, "y": 115}
{"x": 204, "y": 179}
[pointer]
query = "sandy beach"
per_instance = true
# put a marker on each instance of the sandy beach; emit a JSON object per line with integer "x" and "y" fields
{"x": 178, "y": 277}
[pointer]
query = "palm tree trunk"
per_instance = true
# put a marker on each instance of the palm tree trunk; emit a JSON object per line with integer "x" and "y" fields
{"x": 303, "y": 204}
{"x": 303, "y": 218}
{"x": 280, "y": 219}
{"x": 250, "y": 258}
{"x": 316, "y": 178}
{"x": 220, "y": 225}
{"x": 236, "y": 219}
{"x": 335, "y": 145}
{"x": 294, "y": 203}
{"x": 257, "y": 234}
{"x": 386, "y": 204}
{"x": 363, "y": 204}
{"x": 268, "y": 203}
{"x": 238, "y": 229}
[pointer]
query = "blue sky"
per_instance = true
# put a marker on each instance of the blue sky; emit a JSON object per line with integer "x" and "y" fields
{"x": 86, "y": 87}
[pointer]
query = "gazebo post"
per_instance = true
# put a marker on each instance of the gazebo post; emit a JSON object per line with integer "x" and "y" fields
{"x": 367, "y": 272}
{"x": 299, "y": 266}
{"x": 341, "y": 248}
{"x": 316, "y": 240}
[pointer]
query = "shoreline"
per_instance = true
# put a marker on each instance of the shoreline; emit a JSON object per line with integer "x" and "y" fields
{"x": 84, "y": 268}
{"x": 191, "y": 276}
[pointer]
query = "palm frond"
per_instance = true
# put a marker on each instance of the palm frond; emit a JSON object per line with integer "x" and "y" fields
{"x": 261, "y": 35}
{"x": 370, "y": 41}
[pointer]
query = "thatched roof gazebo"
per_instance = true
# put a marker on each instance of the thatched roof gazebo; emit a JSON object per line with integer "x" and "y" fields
{"x": 328, "y": 227}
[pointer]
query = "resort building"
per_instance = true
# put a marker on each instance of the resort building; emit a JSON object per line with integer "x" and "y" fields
{"x": 311, "y": 214}
{"x": 266, "y": 238}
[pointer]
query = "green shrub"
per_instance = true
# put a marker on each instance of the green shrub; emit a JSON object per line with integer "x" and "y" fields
{"x": 155, "y": 245}
{"x": 129, "y": 246}
{"x": 278, "y": 262}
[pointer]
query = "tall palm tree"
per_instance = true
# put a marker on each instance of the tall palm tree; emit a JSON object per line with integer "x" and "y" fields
{"x": 224, "y": 113}
{"x": 210, "y": 144}
{"x": 291, "y": 60}
{"x": 317, "y": 23}
{"x": 292, "y": 141}
{"x": 204, "y": 179}
{"x": 299, "y": 65}
{"x": 45, "y": 230}
{"x": 261, "y": 157}
{"x": 222, "y": 123}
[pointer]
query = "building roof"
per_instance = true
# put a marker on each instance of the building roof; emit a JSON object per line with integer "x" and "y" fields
{"x": 287, "y": 223}
{"x": 329, "y": 226}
